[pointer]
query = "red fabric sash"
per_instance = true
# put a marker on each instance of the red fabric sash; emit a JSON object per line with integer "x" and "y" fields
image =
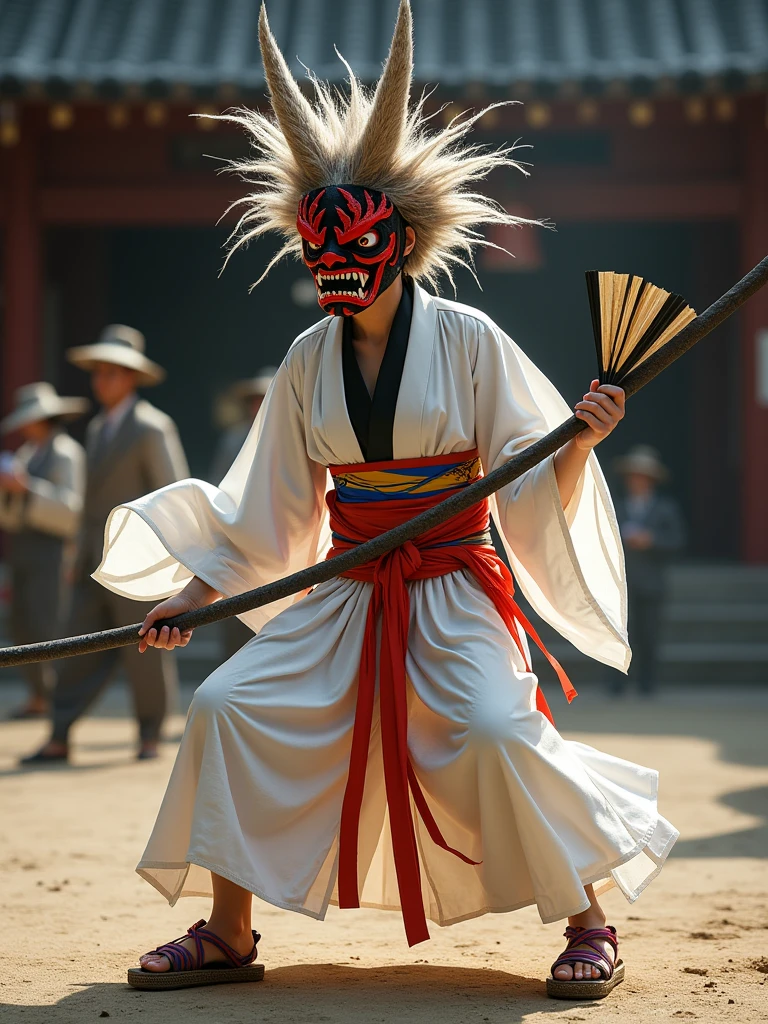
{"x": 352, "y": 524}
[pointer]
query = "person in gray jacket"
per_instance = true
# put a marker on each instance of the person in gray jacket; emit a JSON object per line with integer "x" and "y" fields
{"x": 41, "y": 501}
{"x": 132, "y": 448}
{"x": 652, "y": 530}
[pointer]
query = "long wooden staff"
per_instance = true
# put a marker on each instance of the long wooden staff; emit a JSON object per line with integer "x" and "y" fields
{"x": 372, "y": 549}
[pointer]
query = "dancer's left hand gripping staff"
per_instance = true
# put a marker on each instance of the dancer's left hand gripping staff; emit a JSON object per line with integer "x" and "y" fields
{"x": 196, "y": 594}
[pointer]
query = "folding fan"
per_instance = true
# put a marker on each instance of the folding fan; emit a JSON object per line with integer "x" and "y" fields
{"x": 631, "y": 320}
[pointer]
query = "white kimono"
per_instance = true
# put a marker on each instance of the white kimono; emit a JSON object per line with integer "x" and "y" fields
{"x": 256, "y": 791}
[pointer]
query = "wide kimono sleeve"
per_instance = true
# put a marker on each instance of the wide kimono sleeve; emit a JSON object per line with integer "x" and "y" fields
{"x": 569, "y": 561}
{"x": 264, "y": 521}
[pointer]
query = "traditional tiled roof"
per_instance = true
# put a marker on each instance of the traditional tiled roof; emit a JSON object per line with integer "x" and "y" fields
{"x": 206, "y": 44}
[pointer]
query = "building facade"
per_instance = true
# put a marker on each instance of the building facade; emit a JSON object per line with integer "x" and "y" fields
{"x": 648, "y": 124}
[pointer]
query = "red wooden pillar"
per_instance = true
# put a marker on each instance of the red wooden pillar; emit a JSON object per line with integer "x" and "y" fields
{"x": 754, "y": 222}
{"x": 21, "y": 357}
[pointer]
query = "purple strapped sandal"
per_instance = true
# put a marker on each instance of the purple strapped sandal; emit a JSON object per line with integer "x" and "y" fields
{"x": 593, "y": 954}
{"x": 187, "y": 965}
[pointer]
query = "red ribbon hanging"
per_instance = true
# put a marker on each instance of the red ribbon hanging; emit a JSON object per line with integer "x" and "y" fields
{"x": 435, "y": 553}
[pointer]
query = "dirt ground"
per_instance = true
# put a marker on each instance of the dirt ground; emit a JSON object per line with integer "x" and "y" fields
{"x": 75, "y": 916}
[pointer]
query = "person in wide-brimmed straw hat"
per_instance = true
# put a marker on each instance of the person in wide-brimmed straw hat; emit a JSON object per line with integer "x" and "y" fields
{"x": 41, "y": 501}
{"x": 131, "y": 446}
{"x": 255, "y": 388}
{"x": 642, "y": 460}
{"x": 652, "y": 530}
{"x": 40, "y": 403}
{"x": 123, "y": 346}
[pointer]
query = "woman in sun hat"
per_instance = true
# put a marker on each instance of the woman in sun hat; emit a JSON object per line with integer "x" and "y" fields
{"x": 131, "y": 447}
{"x": 41, "y": 501}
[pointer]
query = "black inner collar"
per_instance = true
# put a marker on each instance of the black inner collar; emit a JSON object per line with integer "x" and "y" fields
{"x": 373, "y": 418}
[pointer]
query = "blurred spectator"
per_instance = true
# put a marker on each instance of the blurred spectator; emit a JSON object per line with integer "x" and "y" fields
{"x": 652, "y": 530}
{"x": 249, "y": 394}
{"x": 132, "y": 448}
{"x": 41, "y": 501}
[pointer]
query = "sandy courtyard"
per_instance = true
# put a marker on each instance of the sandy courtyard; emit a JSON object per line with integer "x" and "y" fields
{"x": 75, "y": 916}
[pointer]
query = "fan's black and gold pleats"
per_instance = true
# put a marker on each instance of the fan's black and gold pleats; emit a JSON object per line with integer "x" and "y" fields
{"x": 631, "y": 319}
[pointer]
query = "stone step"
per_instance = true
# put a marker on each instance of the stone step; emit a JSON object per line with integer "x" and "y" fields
{"x": 716, "y": 612}
{"x": 707, "y": 584}
{"x": 730, "y": 623}
{"x": 679, "y": 662}
{"x": 703, "y": 632}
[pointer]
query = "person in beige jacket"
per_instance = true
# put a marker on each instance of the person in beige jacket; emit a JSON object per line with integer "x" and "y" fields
{"x": 132, "y": 448}
{"x": 41, "y": 502}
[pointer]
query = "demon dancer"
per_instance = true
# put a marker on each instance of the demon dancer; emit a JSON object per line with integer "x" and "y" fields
{"x": 382, "y": 741}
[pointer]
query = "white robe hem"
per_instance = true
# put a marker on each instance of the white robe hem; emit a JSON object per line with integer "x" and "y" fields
{"x": 602, "y": 875}
{"x": 144, "y": 867}
{"x": 632, "y": 895}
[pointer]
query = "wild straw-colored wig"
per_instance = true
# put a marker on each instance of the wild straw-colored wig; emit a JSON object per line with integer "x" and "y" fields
{"x": 372, "y": 138}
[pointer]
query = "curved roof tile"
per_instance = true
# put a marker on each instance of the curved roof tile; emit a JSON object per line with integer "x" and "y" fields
{"x": 204, "y": 43}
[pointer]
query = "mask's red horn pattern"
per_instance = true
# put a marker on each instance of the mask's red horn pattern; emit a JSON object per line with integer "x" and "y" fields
{"x": 308, "y": 220}
{"x": 358, "y": 224}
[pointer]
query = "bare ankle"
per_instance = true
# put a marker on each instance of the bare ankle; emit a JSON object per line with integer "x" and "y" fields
{"x": 591, "y": 918}
{"x": 229, "y": 927}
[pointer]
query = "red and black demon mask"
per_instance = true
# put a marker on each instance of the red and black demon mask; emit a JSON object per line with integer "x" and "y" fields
{"x": 353, "y": 241}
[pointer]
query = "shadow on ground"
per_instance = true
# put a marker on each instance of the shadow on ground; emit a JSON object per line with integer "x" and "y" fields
{"x": 56, "y": 766}
{"x": 735, "y": 720}
{"x": 311, "y": 993}
{"x": 750, "y": 842}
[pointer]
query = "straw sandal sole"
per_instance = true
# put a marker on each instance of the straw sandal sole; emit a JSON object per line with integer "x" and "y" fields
{"x": 139, "y": 978}
{"x": 557, "y": 989}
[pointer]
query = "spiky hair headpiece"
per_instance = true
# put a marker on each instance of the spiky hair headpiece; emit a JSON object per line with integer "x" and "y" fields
{"x": 369, "y": 138}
